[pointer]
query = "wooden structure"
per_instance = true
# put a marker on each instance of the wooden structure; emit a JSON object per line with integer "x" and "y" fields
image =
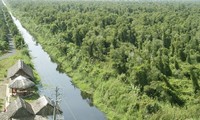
{"x": 21, "y": 83}
{"x": 40, "y": 109}
{"x": 20, "y": 68}
{"x": 19, "y": 108}
{"x": 44, "y": 106}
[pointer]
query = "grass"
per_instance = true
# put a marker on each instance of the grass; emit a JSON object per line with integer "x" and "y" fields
{"x": 34, "y": 96}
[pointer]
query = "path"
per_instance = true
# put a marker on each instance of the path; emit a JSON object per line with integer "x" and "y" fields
{"x": 11, "y": 51}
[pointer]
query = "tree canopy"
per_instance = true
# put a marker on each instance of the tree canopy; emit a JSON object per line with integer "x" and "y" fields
{"x": 139, "y": 60}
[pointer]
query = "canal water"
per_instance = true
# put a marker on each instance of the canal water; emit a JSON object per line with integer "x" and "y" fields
{"x": 74, "y": 105}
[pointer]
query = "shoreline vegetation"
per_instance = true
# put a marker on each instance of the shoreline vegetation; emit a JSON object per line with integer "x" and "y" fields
{"x": 4, "y": 45}
{"x": 138, "y": 60}
{"x": 21, "y": 53}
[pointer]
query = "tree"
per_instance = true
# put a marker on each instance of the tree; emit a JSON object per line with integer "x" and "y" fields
{"x": 194, "y": 77}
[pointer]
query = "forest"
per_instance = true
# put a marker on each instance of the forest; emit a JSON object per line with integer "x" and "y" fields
{"x": 3, "y": 31}
{"x": 138, "y": 60}
{"x": 8, "y": 31}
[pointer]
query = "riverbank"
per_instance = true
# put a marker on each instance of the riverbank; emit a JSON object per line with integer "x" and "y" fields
{"x": 10, "y": 58}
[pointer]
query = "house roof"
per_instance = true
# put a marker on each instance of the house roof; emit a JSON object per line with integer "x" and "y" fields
{"x": 20, "y": 65}
{"x": 3, "y": 116}
{"x": 44, "y": 106}
{"x": 21, "y": 83}
{"x": 19, "y": 108}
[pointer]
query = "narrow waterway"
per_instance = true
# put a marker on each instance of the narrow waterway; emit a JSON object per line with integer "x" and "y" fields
{"x": 74, "y": 106}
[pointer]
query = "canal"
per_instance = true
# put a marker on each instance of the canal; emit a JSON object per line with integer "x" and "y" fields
{"x": 74, "y": 105}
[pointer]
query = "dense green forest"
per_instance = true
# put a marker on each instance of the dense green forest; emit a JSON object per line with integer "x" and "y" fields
{"x": 139, "y": 60}
{"x": 8, "y": 30}
{"x": 3, "y": 31}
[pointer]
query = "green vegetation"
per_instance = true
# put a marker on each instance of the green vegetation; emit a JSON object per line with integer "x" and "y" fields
{"x": 15, "y": 35}
{"x": 8, "y": 28}
{"x": 3, "y": 31}
{"x": 7, "y": 31}
{"x": 138, "y": 60}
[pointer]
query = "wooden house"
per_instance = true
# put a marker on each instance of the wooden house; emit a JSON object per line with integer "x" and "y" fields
{"x": 19, "y": 108}
{"x": 22, "y": 84}
{"x": 20, "y": 68}
{"x": 44, "y": 106}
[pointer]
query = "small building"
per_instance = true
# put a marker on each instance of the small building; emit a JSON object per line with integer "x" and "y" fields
{"x": 22, "y": 84}
{"x": 20, "y": 68}
{"x": 44, "y": 106}
{"x": 40, "y": 109}
{"x": 19, "y": 109}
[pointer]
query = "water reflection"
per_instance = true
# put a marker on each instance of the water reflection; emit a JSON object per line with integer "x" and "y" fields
{"x": 36, "y": 43}
{"x": 88, "y": 97}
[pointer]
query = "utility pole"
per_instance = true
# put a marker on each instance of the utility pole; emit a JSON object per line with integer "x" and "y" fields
{"x": 56, "y": 104}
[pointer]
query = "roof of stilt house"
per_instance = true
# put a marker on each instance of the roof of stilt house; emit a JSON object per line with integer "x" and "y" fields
{"x": 4, "y": 116}
{"x": 21, "y": 82}
{"x": 19, "y": 108}
{"x": 44, "y": 106}
{"x": 20, "y": 65}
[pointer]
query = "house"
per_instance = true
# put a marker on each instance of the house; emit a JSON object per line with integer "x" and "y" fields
{"x": 21, "y": 83}
{"x": 40, "y": 109}
{"x": 18, "y": 109}
{"x": 44, "y": 106}
{"x": 20, "y": 68}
